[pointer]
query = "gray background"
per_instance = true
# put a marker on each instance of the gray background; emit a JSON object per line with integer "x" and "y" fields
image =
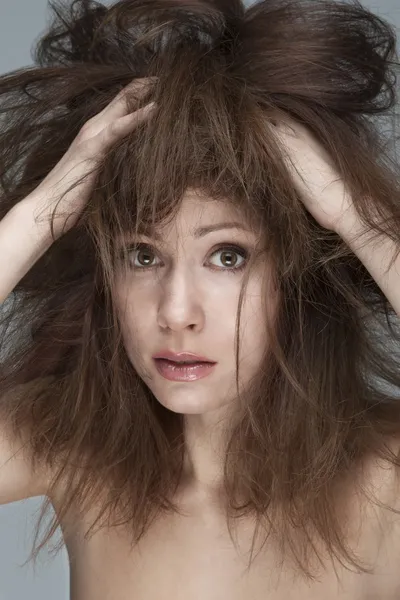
{"x": 21, "y": 22}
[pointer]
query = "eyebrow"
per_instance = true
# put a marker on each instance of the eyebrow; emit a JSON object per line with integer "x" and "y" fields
{"x": 202, "y": 231}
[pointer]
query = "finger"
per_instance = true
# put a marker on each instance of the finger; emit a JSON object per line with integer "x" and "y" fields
{"x": 118, "y": 106}
{"x": 124, "y": 125}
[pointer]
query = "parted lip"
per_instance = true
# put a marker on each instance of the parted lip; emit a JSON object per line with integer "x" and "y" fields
{"x": 180, "y": 356}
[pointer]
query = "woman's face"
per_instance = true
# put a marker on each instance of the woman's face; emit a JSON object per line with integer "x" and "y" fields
{"x": 182, "y": 294}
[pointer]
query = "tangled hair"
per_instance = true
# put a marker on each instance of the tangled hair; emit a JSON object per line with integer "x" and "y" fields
{"x": 327, "y": 394}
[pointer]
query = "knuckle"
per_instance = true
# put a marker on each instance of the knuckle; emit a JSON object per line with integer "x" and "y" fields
{"x": 143, "y": 81}
{"x": 85, "y": 148}
{"x": 111, "y": 131}
{"x": 88, "y": 129}
{"x": 84, "y": 130}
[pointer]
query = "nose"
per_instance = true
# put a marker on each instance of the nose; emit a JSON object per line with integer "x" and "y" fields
{"x": 180, "y": 302}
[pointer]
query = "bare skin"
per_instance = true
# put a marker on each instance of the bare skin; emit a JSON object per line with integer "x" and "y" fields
{"x": 193, "y": 556}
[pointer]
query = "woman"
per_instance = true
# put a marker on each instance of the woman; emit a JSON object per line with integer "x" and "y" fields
{"x": 196, "y": 182}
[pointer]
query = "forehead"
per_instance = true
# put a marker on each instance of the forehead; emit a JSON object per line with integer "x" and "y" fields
{"x": 196, "y": 216}
{"x": 197, "y": 213}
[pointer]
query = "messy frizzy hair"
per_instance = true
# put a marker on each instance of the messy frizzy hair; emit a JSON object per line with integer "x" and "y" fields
{"x": 327, "y": 394}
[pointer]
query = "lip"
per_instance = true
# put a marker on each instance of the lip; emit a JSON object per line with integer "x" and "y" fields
{"x": 179, "y": 356}
{"x": 183, "y": 373}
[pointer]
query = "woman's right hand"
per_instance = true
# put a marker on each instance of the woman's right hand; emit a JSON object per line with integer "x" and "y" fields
{"x": 94, "y": 139}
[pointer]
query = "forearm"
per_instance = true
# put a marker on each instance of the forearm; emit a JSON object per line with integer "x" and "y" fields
{"x": 22, "y": 243}
{"x": 376, "y": 255}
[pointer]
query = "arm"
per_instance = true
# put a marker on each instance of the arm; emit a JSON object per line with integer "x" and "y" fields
{"x": 22, "y": 243}
{"x": 24, "y": 239}
{"x": 380, "y": 256}
{"x": 17, "y": 479}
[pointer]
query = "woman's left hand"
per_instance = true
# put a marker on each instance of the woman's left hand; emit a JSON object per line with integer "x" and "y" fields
{"x": 321, "y": 189}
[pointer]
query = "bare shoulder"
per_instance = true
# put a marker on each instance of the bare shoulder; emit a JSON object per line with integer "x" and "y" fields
{"x": 18, "y": 478}
{"x": 381, "y": 481}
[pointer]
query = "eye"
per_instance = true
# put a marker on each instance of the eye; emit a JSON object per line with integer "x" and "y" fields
{"x": 233, "y": 258}
{"x": 144, "y": 255}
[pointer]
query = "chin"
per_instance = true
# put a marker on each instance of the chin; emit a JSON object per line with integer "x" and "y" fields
{"x": 185, "y": 405}
{"x": 195, "y": 403}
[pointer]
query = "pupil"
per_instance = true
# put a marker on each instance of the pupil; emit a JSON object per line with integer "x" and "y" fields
{"x": 231, "y": 259}
{"x": 147, "y": 258}
{"x": 228, "y": 258}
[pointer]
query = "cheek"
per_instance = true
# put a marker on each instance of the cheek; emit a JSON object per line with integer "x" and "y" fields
{"x": 259, "y": 305}
{"x": 134, "y": 318}
{"x": 252, "y": 321}
{"x": 137, "y": 325}
{"x": 135, "y": 338}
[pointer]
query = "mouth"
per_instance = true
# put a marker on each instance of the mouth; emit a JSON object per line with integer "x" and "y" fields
{"x": 183, "y": 370}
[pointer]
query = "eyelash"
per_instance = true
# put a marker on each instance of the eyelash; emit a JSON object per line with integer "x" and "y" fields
{"x": 231, "y": 248}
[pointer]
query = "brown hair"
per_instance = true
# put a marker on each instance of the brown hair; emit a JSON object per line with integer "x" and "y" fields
{"x": 327, "y": 393}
